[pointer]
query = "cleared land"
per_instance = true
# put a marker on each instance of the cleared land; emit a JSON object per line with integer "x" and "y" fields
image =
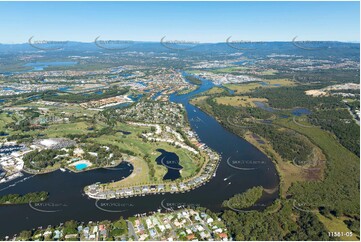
{"x": 215, "y": 90}
{"x": 241, "y": 101}
{"x": 246, "y": 87}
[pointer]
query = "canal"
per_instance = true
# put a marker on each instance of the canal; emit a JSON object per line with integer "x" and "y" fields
{"x": 242, "y": 166}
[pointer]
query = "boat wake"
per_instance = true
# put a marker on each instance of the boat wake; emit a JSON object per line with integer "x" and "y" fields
{"x": 14, "y": 184}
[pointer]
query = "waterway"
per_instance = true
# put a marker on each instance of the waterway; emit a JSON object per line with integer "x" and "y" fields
{"x": 40, "y": 66}
{"x": 169, "y": 160}
{"x": 295, "y": 111}
{"x": 242, "y": 166}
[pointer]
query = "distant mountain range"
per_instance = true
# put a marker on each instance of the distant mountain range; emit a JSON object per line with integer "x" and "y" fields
{"x": 321, "y": 48}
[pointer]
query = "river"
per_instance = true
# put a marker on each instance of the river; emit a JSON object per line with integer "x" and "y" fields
{"x": 242, "y": 166}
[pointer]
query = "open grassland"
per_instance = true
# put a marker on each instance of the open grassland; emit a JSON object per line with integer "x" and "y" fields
{"x": 240, "y": 101}
{"x": 140, "y": 174}
{"x": 4, "y": 120}
{"x": 215, "y": 90}
{"x": 54, "y": 109}
{"x": 60, "y": 130}
{"x": 243, "y": 70}
{"x": 227, "y": 70}
{"x": 268, "y": 72}
{"x": 247, "y": 87}
{"x": 142, "y": 148}
{"x": 243, "y": 88}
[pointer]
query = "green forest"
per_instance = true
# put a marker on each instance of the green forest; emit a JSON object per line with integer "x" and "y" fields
{"x": 285, "y": 224}
{"x": 245, "y": 199}
{"x": 20, "y": 199}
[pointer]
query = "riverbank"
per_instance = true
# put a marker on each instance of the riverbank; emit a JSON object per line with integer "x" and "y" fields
{"x": 69, "y": 168}
{"x": 211, "y": 195}
{"x": 109, "y": 191}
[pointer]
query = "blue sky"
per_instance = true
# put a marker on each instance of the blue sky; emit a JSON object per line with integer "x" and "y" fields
{"x": 192, "y": 21}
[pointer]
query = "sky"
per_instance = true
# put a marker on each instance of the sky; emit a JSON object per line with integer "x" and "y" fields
{"x": 181, "y": 21}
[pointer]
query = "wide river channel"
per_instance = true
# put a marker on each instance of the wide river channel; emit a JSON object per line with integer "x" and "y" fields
{"x": 242, "y": 166}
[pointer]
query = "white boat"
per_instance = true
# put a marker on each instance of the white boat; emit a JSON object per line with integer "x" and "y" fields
{"x": 225, "y": 179}
{"x": 62, "y": 169}
{"x": 229, "y": 183}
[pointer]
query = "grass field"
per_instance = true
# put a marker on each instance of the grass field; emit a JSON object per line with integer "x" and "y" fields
{"x": 247, "y": 87}
{"x": 243, "y": 88}
{"x": 4, "y": 120}
{"x": 215, "y": 90}
{"x": 59, "y": 130}
{"x": 140, "y": 174}
{"x": 230, "y": 69}
{"x": 267, "y": 72}
{"x": 240, "y": 101}
{"x": 132, "y": 142}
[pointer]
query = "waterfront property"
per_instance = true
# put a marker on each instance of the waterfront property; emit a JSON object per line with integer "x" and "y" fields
{"x": 81, "y": 165}
{"x": 98, "y": 191}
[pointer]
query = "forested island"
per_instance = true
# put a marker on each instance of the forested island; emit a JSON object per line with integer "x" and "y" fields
{"x": 26, "y": 198}
{"x": 244, "y": 200}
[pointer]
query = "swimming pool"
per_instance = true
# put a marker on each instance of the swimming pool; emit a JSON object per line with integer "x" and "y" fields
{"x": 81, "y": 166}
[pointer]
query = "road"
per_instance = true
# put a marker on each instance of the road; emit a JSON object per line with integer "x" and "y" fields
{"x": 131, "y": 231}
